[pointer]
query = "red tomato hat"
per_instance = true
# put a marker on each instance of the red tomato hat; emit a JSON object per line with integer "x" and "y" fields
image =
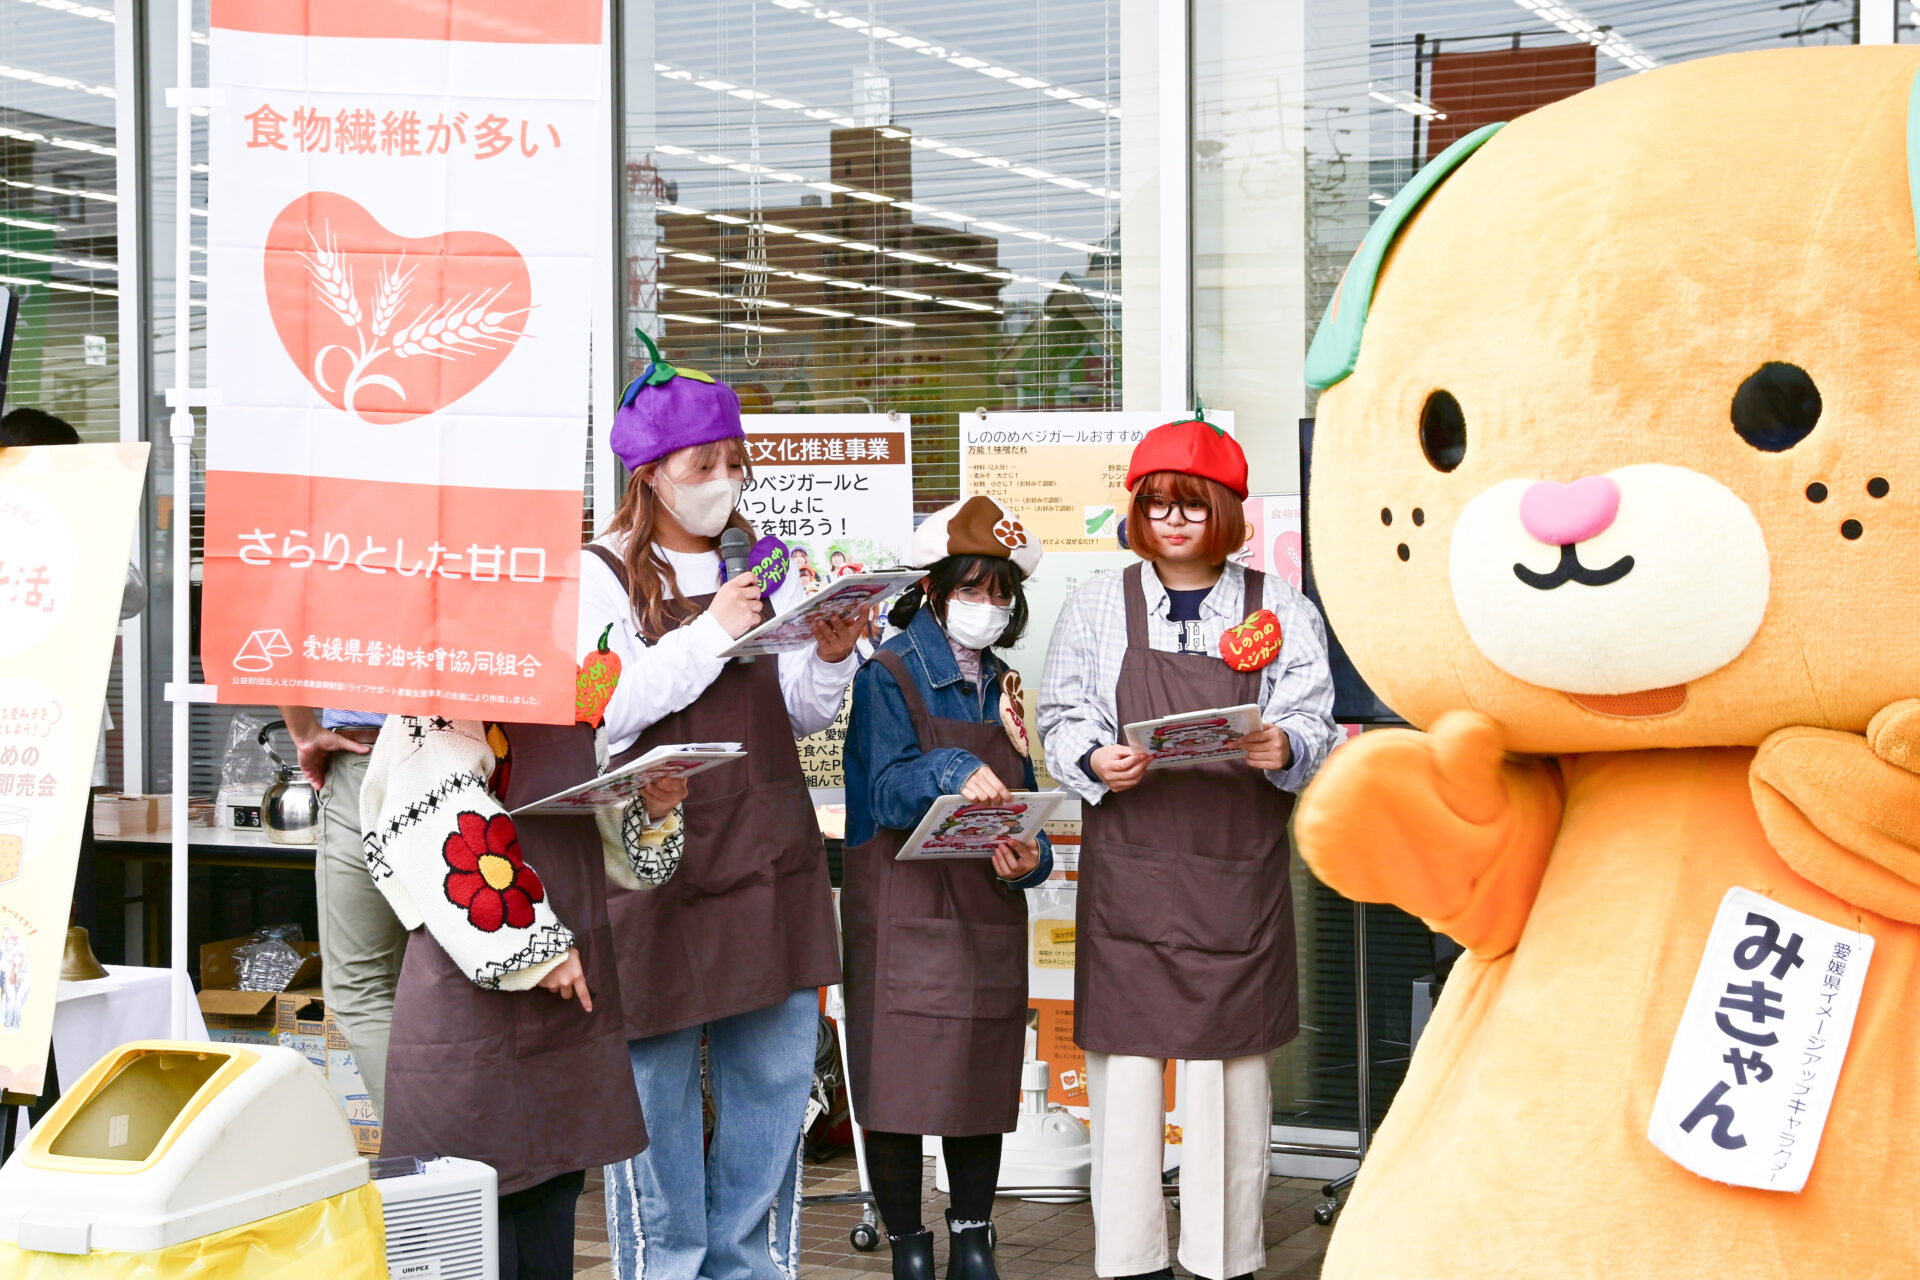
{"x": 1193, "y": 447}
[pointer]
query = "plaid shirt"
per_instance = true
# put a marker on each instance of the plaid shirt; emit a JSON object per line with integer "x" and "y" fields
{"x": 1076, "y": 704}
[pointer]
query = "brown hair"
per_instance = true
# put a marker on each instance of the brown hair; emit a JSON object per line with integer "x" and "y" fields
{"x": 1226, "y": 527}
{"x": 650, "y": 578}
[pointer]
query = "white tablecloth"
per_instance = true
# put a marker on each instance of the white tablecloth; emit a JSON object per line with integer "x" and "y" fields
{"x": 92, "y": 1018}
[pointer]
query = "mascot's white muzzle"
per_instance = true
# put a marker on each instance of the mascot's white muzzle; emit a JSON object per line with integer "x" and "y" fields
{"x": 1643, "y": 578}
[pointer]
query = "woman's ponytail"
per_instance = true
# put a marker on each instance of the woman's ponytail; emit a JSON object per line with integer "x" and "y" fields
{"x": 904, "y": 608}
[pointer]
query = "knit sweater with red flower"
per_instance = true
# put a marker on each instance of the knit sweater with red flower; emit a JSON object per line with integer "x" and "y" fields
{"x": 445, "y": 854}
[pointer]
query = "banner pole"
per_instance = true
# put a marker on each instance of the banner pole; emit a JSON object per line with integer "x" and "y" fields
{"x": 181, "y": 428}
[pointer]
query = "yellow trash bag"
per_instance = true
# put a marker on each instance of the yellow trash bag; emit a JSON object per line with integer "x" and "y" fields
{"x": 341, "y": 1238}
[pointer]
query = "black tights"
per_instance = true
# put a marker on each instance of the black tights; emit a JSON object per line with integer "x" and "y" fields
{"x": 536, "y": 1229}
{"x": 893, "y": 1166}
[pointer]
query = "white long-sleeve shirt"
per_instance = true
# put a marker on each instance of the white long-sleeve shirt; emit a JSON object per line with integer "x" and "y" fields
{"x": 1077, "y": 709}
{"x": 658, "y": 680}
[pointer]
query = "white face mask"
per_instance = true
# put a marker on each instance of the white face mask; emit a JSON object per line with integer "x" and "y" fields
{"x": 703, "y": 509}
{"x": 977, "y": 625}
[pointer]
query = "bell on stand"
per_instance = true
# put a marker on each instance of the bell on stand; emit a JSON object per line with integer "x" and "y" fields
{"x": 78, "y": 963}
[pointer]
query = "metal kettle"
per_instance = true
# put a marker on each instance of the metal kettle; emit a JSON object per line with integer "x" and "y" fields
{"x": 290, "y": 809}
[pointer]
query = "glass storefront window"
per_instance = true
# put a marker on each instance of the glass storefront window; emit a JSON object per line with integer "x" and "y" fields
{"x": 59, "y": 205}
{"x": 904, "y": 207}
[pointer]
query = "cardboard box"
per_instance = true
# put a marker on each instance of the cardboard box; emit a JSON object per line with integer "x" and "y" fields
{"x": 297, "y": 1018}
{"x": 123, "y": 815}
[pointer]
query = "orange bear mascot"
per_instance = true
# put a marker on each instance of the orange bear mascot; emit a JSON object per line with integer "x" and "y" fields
{"x": 1616, "y": 497}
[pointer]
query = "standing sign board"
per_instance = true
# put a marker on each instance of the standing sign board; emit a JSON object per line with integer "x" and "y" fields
{"x": 838, "y": 490}
{"x": 403, "y": 205}
{"x": 66, "y": 517}
{"x": 1065, "y": 474}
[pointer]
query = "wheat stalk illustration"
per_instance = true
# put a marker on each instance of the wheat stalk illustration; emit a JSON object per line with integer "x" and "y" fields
{"x": 393, "y": 291}
{"x": 458, "y": 328}
{"x": 328, "y": 266}
{"x": 452, "y": 330}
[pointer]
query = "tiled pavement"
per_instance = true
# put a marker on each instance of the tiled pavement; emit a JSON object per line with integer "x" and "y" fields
{"x": 1035, "y": 1239}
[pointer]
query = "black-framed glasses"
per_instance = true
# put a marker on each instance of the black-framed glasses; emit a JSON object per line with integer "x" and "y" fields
{"x": 1161, "y": 508}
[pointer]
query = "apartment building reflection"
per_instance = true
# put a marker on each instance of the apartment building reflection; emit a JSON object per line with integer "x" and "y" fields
{"x": 841, "y": 302}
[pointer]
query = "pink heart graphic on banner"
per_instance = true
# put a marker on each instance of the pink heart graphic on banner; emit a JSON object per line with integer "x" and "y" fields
{"x": 385, "y": 326}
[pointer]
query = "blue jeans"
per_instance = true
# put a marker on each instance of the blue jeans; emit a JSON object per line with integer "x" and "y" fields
{"x": 730, "y": 1211}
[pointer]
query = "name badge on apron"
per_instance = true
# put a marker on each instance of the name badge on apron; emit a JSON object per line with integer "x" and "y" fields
{"x": 1754, "y": 1064}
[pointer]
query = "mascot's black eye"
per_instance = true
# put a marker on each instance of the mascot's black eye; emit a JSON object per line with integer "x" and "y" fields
{"x": 1443, "y": 431}
{"x": 1776, "y": 408}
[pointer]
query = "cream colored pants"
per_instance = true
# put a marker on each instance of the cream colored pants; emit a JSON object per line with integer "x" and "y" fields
{"x": 1226, "y": 1119}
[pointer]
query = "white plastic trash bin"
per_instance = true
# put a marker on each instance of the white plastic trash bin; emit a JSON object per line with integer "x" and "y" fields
{"x": 161, "y": 1142}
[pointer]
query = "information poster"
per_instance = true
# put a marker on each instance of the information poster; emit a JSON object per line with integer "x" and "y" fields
{"x": 1064, "y": 474}
{"x": 1047, "y": 591}
{"x": 403, "y": 205}
{"x": 1273, "y": 537}
{"x": 838, "y": 490}
{"x": 66, "y": 519}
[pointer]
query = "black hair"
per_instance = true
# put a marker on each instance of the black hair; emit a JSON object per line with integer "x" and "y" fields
{"x": 997, "y": 574}
{"x": 35, "y": 426}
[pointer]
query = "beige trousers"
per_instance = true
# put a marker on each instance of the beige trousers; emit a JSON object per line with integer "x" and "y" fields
{"x": 1226, "y": 1119}
{"x": 361, "y": 941}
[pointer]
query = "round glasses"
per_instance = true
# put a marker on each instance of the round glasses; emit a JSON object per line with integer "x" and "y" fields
{"x": 1160, "y": 509}
{"x": 980, "y": 595}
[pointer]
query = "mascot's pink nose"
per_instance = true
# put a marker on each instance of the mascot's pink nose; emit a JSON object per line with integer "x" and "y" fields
{"x": 1562, "y": 514}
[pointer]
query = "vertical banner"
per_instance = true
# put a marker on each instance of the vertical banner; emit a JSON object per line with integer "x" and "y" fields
{"x": 838, "y": 490}
{"x": 66, "y": 519}
{"x": 403, "y": 205}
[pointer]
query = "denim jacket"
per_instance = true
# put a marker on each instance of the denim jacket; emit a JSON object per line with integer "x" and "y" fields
{"x": 891, "y": 783}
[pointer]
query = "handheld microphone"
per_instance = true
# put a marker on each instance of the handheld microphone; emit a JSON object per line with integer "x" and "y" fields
{"x": 735, "y": 547}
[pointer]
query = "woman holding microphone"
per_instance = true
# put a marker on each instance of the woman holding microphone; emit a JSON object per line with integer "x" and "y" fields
{"x": 731, "y": 952}
{"x": 936, "y": 979}
{"x": 1184, "y": 942}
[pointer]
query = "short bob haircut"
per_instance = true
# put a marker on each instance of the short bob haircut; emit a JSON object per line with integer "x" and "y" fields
{"x": 1226, "y": 527}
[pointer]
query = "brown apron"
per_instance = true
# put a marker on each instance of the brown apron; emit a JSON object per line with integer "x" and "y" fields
{"x": 936, "y": 980}
{"x": 522, "y": 1080}
{"x": 748, "y": 918}
{"x": 1185, "y": 913}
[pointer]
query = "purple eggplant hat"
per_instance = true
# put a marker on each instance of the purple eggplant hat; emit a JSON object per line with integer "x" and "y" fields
{"x": 666, "y": 408}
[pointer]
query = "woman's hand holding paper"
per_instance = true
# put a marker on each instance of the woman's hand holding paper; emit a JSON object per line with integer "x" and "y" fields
{"x": 1016, "y": 859}
{"x": 1268, "y": 748}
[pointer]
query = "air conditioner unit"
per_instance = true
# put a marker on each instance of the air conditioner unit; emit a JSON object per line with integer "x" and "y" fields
{"x": 442, "y": 1218}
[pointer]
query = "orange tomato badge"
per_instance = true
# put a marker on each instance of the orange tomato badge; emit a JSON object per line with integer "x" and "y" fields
{"x": 593, "y": 687}
{"x": 1253, "y": 644}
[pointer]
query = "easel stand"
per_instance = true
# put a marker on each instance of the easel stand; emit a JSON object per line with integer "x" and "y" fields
{"x": 37, "y": 1107}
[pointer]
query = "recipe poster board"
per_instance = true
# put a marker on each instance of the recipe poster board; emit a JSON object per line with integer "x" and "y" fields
{"x": 66, "y": 519}
{"x": 1063, "y": 474}
{"x": 838, "y": 490}
{"x": 1051, "y": 937}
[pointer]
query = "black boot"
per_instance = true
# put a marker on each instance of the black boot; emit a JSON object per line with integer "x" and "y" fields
{"x": 912, "y": 1255}
{"x": 969, "y": 1253}
{"x": 1164, "y": 1273}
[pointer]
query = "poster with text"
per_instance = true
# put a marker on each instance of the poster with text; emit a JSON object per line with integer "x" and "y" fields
{"x": 1063, "y": 474}
{"x": 402, "y": 207}
{"x": 66, "y": 518}
{"x": 838, "y": 490}
{"x": 1273, "y": 537}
